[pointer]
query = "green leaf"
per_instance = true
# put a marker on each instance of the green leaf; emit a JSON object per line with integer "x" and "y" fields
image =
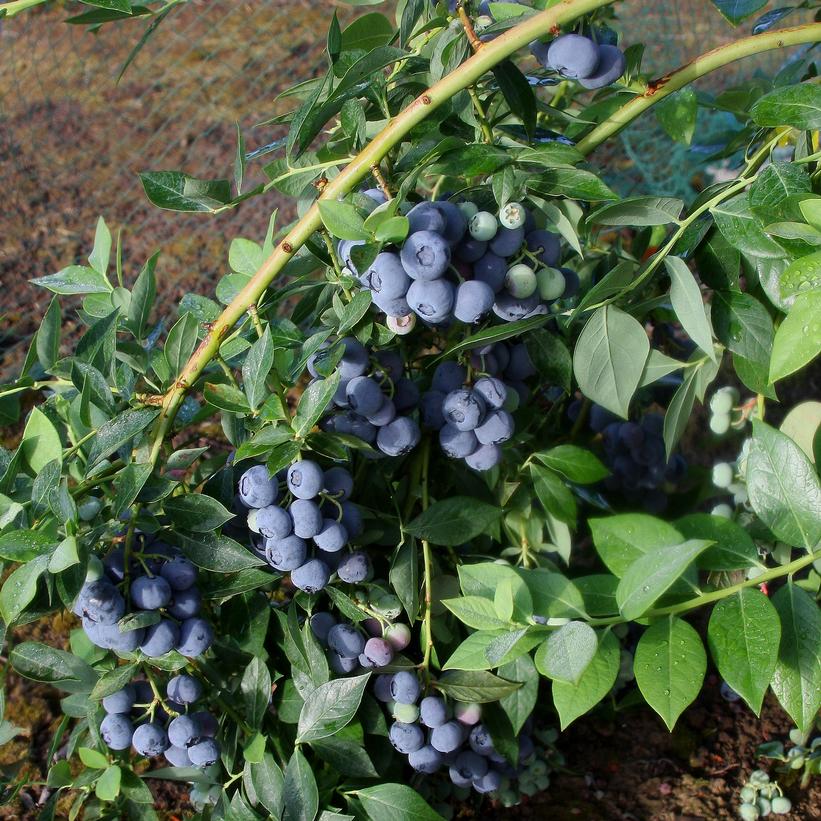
{"x": 107, "y": 787}
{"x": 574, "y": 463}
{"x": 48, "y": 335}
{"x": 92, "y": 758}
{"x": 268, "y": 782}
{"x": 25, "y": 545}
{"x": 518, "y": 93}
{"x": 346, "y": 757}
{"x": 736, "y": 10}
{"x": 181, "y": 341}
{"x": 245, "y": 256}
{"x": 76, "y": 279}
{"x": 802, "y": 274}
{"x": 567, "y": 652}
{"x": 652, "y": 575}
{"x": 733, "y": 547}
{"x": 743, "y": 230}
{"x": 40, "y": 662}
{"x": 798, "y": 338}
{"x": 669, "y": 664}
{"x": 299, "y": 789}
{"x": 476, "y": 612}
{"x": 316, "y": 397}
{"x": 554, "y": 495}
{"x": 621, "y": 539}
{"x": 395, "y": 802}
{"x": 573, "y": 183}
{"x": 742, "y": 324}
{"x": 475, "y": 686}
{"x": 354, "y": 310}
{"x": 343, "y": 220}
{"x": 797, "y": 678}
{"x": 128, "y": 483}
{"x": 226, "y": 397}
{"x": 743, "y": 636}
{"x": 217, "y": 553}
{"x": 19, "y": 588}
{"x": 113, "y": 680}
{"x": 454, "y": 521}
{"x": 773, "y": 193}
{"x": 677, "y": 115}
{"x": 689, "y": 305}
{"x": 118, "y": 432}
{"x": 471, "y": 654}
{"x": 520, "y": 703}
{"x": 256, "y": 691}
{"x": 798, "y": 106}
{"x": 255, "y": 369}
{"x": 679, "y": 411}
{"x": 331, "y": 707}
{"x": 65, "y": 555}
{"x": 609, "y": 358}
{"x": 176, "y": 191}
{"x": 783, "y": 487}
{"x": 574, "y": 700}
{"x": 40, "y": 443}
{"x": 554, "y": 595}
{"x": 637, "y": 211}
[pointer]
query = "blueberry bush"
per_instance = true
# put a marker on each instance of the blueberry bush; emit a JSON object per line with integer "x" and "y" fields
{"x": 351, "y": 537}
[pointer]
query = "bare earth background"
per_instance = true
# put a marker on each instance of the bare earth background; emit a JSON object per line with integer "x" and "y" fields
{"x": 71, "y": 145}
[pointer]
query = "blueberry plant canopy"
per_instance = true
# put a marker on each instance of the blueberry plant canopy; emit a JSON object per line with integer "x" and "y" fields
{"x": 451, "y": 396}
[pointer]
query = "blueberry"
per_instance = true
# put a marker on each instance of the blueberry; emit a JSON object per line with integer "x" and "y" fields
{"x": 406, "y": 738}
{"x": 573, "y": 56}
{"x": 457, "y": 444}
{"x": 425, "y": 760}
{"x": 449, "y": 376}
{"x": 470, "y": 765}
{"x": 431, "y": 409}
{"x": 354, "y": 360}
{"x": 491, "y": 269}
{"x": 467, "y": 712}
{"x": 526, "y": 748}
{"x": 340, "y": 397}
{"x": 520, "y": 365}
{"x": 473, "y": 300}
{"x": 520, "y": 281}
{"x": 781, "y": 805}
{"x": 470, "y": 249}
{"x": 545, "y": 246}
{"x": 312, "y": 577}
{"x": 321, "y": 624}
{"x": 600, "y": 418}
{"x": 394, "y": 307}
{"x": 483, "y": 226}
{"x": 385, "y": 414}
{"x": 405, "y": 395}
{"x": 507, "y": 241}
{"x": 539, "y": 50}
{"x": 143, "y": 694}
{"x": 425, "y": 217}
{"x": 99, "y": 601}
{"x": 406, "y": 713}
{"x": 177, "y": 757}
{"x": 332, "y": 537}
{"x": 339, "y": 483}
{"x": 114, "y": 564}
{"x": 196, "y": 637}
{"x": 377, "y": 195}
{"x": 273, "y": 522}
{"x": 185, "y": 603}
{"x": 341, "y": 666}
{"x": 150, "y": 740}
{"x": 512, "y": 215}
{"x": 464, "y": 409}
{"x": 425, "y": 256}
{"x": 352, "y": 519}
{"x": 150, "y": 593}
{"x": 179, "y": 573}
{"x": 356, "y": 425}
{"x": 456, "y": 223}
{"x": 286, "y": 554}
{"x": 571, "y": 282}
{"x": 611, "y": 66}
{"x": 109, "y": 636}
{"x": 364, "y": 396}
{"x": 257, "y": 488}
{"x": 484, "y": 457}
{"x": 206, "y": 722}
{"x": 399, "y": 437}
{"x": 550, "y": 283}
{"x": 120, "y": 702}
{"x": 379, "y": 652}
{"x": 434, "y": 711}
{"x": 160, "y": 638}
{"x": 184, "y": 689}
{"x": 431, "y": 300}
{"x": 116, "y": 730}
{"x": 480, "y": 740}
{"x": 405, "y": 687}
{"x": 492, "y": 390}
{"x": 182, "y": 730}
{"x": 386, "y": 276}
{"x": 346, "y": 640}
{"x": 307, "y": 518}
{"x": 511, "y": 309}
{"x": 391, "y": 364}
{"x": 447, "y": 737}
{"x": 364, "y": 662}
{"x": 489, "y": 782}
{"x": 204, "y": 753}
{"x": 382, "y": 688}
{"x": 306, "y": 478}
{"x": 497, "y": 427}
{"x": 344, "y": 249}
{"x": 354, "y": 568}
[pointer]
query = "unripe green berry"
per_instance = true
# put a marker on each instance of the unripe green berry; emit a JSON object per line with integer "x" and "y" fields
{"x": 397, "y": 635}
{"x": 469, "y": 209}
{"x": 89, "y": 509}
{"x": 764, "y": 807}
{"x": 401, "y": 325}
{"x": 551, "y": 283}
{"x": 720, "y": 423}
{"x": 520, "y": 281}
{"x": 723, "y": 400}
{"x": 251, "y": 520}
{"x": 759, "y": 777}
{"x": 725, "y": 511}
{"x": 747, "y": 795}
{"x": 749, "y": 812}
{"x": 781, "y": 805}
{"x": 483, "y": 226}
{"x": 406, "y": 713}
{"x": 722, "y": 474}
{"x": 512, "y": 215}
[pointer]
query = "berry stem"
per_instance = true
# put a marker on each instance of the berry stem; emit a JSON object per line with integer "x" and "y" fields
{"x": 663, "y": 87}
{"x": 467, "y": 25}
{"x": 427, "y": 562}
{"x": 481, "y": 116}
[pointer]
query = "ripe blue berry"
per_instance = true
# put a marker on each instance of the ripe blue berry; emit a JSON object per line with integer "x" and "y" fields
{"x": 354, "y": 568}
{"x": 520, "y": 365}
{"x": 196, "y": 637}
{"x": 511, "y": 309}
{"x": 433, "y": 711}
{"x": 470, "y": 765}
{"x": 177, "y": 757}
{"x": 491, "y": 269}
{"x": 470, "y": 249}
{"x": 343, "y": 250}
{"x": 342, "y": 666}
{"x": 425, "y": 760}
{"x": 286, "y": 554}
{"x": 425, "y": 217}
{"x": 332, "y": 537}
{"x": 489, "y": 782}
{"x": 431, "y": 409}
{"x": 393, "y": 307}
{"x": 160, "y": 638}
{"x": 182, "y": 730}
{"x": 473, "y": 300}
{"x": 457, "y": 444}
{"x": 456, "y": 223}
{"x": 406, "y": 738}
{"x": 611, "y": 66}
{"x": 346, "y": 640}
{"x": 378, "y": 651}
{"x": 184, "y": 689}
{"x": 431, "y": 300}
{"x": 497, "y": 427}
{"x": 99, "y": 601}
{"x": 382, "y": 688}
{"x": 464, "y": 409}
{"x": 354, "y": 360}
{"x": 507, "y": 241}
{"x": 545, "y": 246}
{"x": 425, "y": 255}
{"x": 312, "y": 577}
{"x": 447, "y": 737}
{"x": 484, "y": 457}
{"x": 204, "y": 753}
{"x": 339, "y": 483}
{"x": 492, "y": 390}
{"x": 150, "y": 740}
{"x": 573, "y": 56}
{"x": 306, "y": 517}
{"x": 305, "y": 478}
{"x": 386, "y": 276}
{"x": 257, "y": 488}
{"x": 364, "y": 396}
{"x": 179, "y": 573}
{"x": 120, "y": 702}
{"x": 273, "y": 522}
{"x": 116, "y": 730}
{"x": 405, "y": 687}
{"x": 398, "y": 437}
{"x": 405, "y": 395}
{"x": 385, "y": 414}
{"x": 150, "y": 593}
{"x": 321, "y": 624}
{"x": 352, "y": 519}
{"x": 449, "y": 376}
{"x": 185, "y": 603}
{"x": 206, "y": 722}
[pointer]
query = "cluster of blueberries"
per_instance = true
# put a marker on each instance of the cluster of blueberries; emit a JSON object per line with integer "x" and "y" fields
{"x": 473, "y": 421}
{"x": 761, "y": 797}
{"x": 349, "y": 650}
{"x": 577, "y": 57}
{"x": 136, "y": 716}
{"x": 722, "y": 404}
{"x": 316, "y": 507}
{"x": 159, "y": 580}
{"x": 636, "y": 456}
{"x": 374, "y": 399}
{"x": 433, "y": 736}
{"x": 460, "y": 263}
